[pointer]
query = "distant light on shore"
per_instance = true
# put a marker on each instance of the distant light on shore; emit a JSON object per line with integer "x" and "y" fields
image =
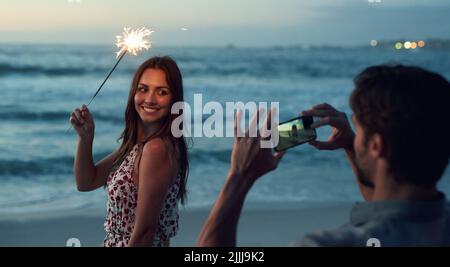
{"x": 407, "y": 45}
{"x": 373, "y": 43}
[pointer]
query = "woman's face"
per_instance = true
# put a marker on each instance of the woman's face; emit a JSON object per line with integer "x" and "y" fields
{"x": 153, "y": 97}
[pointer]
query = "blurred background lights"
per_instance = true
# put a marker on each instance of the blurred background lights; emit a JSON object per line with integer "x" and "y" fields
{"x": 421, "y": 44}
{"x": 398, "y": 45}
{"x": 373, "y": 43}
{"x": 407, "y": 45}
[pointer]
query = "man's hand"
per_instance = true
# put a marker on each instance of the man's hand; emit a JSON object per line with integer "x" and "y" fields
{"x": 342, "y": 135}
{"x": 248, "y": 160}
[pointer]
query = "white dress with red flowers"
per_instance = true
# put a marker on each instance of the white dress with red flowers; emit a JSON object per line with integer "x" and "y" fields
{"x": 122, "y": 202}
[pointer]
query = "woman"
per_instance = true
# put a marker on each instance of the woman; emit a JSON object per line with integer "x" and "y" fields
{"x": 147, "y": 175}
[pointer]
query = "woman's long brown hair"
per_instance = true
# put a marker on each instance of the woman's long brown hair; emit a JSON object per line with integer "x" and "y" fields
{"x": 129, "y": 134}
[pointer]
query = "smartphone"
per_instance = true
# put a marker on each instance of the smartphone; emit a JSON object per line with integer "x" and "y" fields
{"x": 295, "y": 132}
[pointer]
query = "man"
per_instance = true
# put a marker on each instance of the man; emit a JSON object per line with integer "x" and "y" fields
{"x": 399, "y": 152}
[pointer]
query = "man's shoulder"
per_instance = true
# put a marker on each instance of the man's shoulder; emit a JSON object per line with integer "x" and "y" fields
{"x": 390, "y": 232}
{"x": 345, "y": 235}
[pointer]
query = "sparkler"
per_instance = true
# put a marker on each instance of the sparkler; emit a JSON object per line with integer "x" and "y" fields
{"x": 132, "y": 42}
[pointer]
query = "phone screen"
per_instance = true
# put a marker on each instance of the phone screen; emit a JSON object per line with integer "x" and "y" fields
{"x": 295, "y": 132}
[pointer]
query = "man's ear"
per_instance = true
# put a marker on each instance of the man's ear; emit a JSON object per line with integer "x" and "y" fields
{"x": 377, "y": 146}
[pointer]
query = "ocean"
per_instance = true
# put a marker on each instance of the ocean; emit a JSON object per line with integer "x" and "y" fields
{"x": 41, "y": 84}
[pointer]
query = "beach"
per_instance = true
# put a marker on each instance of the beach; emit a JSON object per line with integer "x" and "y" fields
{"x": 261, "y": 225}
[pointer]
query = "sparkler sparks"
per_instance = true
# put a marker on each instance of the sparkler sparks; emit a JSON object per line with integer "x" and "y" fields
{"x": 133, "y": 41}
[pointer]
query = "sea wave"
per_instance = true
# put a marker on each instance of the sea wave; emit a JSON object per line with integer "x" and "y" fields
{"x": 18, "y": 115}
{"x": 197, "y": 157}
{"x": 200, "y": 69}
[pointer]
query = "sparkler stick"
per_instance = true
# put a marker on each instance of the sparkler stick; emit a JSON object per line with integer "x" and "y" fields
{"x": 109, "y": 74}
{"x": 132, "y": 41}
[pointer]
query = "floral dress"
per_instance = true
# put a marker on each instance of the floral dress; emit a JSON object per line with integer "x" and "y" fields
{"x": 122, "y": 202}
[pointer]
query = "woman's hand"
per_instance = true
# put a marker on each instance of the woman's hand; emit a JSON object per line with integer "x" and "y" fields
{"x": 83, "y": 123}
{"x": 342, "y": 135}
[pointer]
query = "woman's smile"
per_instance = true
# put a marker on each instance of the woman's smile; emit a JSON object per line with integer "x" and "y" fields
{"x": 150, "y": 109}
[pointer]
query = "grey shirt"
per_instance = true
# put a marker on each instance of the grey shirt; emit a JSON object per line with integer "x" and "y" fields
{"x": 392, "y": 223}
